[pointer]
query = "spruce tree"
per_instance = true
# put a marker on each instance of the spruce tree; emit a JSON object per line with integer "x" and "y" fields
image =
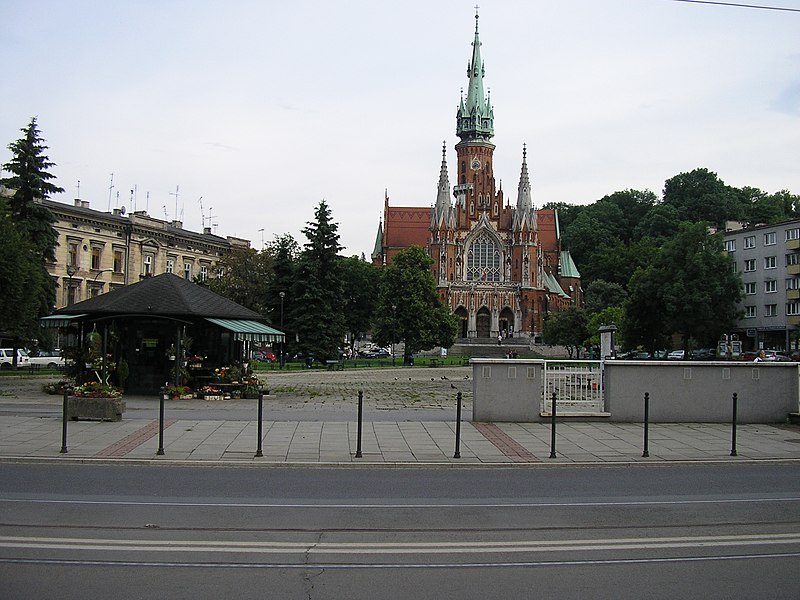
{"x": 317, "y": 298}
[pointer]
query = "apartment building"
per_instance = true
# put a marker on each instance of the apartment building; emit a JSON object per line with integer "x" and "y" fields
{"x": 768, "y": 258}
{"x": 100, "y": 251}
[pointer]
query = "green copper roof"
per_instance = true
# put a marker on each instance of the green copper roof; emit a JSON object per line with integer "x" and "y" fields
{"x": 378, "y": 249}
{"x": 475, "y": 117}
{"x": 567, "y": 265}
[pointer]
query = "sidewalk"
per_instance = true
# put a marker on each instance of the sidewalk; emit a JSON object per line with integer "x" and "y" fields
{"x": 416, "y": 427}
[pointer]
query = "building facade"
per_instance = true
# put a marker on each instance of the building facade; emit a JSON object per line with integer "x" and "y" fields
{"x": 500, "y": 268}
{"x": 768, "y": 258}
{"x": 101, "y": 251}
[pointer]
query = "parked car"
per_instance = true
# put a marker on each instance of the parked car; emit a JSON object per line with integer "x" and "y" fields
{"x": 48, "y": 359}
{"x": 775, "y": 356}
{"x": 704, "y": 354}
{"x": 378, "y": 354}
{"x": 7, "y": 358}
{"x": 264, "y": 356}
{"x": 676, "y": 355}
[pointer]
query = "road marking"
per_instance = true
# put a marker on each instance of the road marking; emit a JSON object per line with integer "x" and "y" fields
{"x": 393, "y": 506}
{"x": 372, "y": 548}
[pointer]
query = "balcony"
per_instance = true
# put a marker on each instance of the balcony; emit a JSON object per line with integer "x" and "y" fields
{"x": 793, "y": 245}
{"x": 793, "y": 294}
{"x": 793, "y": 320}
{"x": 793, "y": 269}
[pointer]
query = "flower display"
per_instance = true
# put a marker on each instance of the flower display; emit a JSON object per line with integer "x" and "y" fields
{"x": 96, "y": 389}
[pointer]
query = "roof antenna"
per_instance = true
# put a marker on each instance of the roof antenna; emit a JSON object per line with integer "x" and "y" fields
{"x": 110, "y": 187}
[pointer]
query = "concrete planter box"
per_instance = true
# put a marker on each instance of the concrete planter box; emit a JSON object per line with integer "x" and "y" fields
{"x": 95, "y": 409}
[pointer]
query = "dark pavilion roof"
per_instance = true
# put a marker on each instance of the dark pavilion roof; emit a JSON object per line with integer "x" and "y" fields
{"x": 163, "y": 295}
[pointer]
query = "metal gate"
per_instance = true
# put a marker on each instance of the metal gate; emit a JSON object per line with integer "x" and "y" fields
{"x": 578, "y": 385}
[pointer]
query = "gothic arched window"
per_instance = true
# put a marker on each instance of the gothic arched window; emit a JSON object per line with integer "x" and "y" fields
{"x": 483, "y": 259}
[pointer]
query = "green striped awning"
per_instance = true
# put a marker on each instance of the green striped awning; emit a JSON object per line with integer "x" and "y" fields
{"x": 59, "y": 320}
{"x": 248, "y": 331}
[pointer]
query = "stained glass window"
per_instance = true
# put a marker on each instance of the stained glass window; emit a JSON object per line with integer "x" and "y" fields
{"x": 483, "y": 259}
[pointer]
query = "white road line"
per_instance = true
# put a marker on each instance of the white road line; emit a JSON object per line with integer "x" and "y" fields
{"x": 369, "y": 548}
{"x": 361, "y": 506}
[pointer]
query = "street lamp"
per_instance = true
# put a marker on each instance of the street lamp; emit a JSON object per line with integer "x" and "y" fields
{"x": 71, "y": 270}
{"x": 94, "y": 281}
{"x": 394, "y": 329}
{"x": 282, "y": 295}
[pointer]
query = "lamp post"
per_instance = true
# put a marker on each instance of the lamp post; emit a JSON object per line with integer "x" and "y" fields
{"x": 394, "y": 329}
{"x": 71, "y": 270}
{"x": 94, "y": 281}
{"x": 282, "y": 295}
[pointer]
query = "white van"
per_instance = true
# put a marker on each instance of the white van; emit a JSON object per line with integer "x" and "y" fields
{"x": 7, "y": 358}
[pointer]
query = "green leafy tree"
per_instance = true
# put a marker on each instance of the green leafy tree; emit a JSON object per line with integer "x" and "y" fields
{"x": 360, "y": 282}
{"x": 690, "y": 290}
{"x": 317, "y": 298}
{"x": 659, "y": 224}
{"x": 630, "y": 207}
{"x": 702, "y": 196}
{"x": 409, "y": 308}
{"x": 243, "y": 276}
{"x": 566, "y": 328}
{"x": 284, "y": 251}
{"x": 602, "y": 294}
{"x": 611, "y": 315}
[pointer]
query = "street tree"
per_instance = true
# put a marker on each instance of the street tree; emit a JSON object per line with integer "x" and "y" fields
{"x": 360, "y": 283}
{"x": 317, "y": 299}
{"x": 284, "y": 251}
{"x": 243, "y": 276}
{"x": 566, "y": 328}
{"x": 409, "y": 309}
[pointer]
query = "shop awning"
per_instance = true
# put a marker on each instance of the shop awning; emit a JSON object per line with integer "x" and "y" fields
{"x": 248, "y": 331}
{"x": 59, "y": 320}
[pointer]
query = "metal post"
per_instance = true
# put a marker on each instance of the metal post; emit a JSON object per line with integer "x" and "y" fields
{"x": 646, "y": 452}
{"x": 162, "y": 397}
{"x": 64, "y": 421}
{"x": 360, "y": 414}
{"x": 553, "y": 428}
{"x": 458, "y": 426}
{"x": 260, "y": 421}
{"x": 733, "y": 423}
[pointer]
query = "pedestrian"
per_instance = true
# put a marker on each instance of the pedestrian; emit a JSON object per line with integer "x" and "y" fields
{"x": 499, "y": 339}
{"x": 759, "y": 357}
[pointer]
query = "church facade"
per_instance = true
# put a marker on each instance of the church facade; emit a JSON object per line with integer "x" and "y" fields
{"x": 500, "y": 268}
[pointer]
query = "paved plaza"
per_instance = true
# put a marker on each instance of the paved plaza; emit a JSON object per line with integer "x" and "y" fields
{"x": 311, "y": 418}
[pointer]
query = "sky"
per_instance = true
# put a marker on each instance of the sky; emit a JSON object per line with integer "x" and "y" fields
{"x": 260, "y": 110}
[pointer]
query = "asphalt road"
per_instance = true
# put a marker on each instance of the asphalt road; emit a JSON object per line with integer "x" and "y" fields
{"x": 91, "y": 531}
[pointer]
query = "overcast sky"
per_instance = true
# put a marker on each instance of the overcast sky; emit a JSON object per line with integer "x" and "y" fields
{"x": 264, "y": 108}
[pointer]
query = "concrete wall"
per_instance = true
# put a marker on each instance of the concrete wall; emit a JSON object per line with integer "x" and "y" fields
{"x": 701, "y": 392}
{"x": 506, "y": 390}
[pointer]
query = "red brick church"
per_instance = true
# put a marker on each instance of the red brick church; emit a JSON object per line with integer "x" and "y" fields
{"x": 500, "y": 267}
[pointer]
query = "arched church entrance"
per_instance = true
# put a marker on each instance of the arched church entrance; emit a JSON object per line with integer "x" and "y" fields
{"x": 463, "y": 321}
{"x": 483, "y": 323}
{"x": 507, "y": 322}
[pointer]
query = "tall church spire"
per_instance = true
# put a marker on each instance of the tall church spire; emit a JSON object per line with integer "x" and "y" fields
{"x": 524, "y": 214}
{"x": 442, "y": 208}
{"x": 475, "y": 117}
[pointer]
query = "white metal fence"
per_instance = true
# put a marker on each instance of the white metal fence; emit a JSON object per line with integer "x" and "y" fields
{"x": 578, "y": 385}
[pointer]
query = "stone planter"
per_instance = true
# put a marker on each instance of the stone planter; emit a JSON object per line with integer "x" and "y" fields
{"x": 95, "y": 409}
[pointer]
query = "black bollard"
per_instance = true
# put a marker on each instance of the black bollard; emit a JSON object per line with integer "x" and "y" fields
{"x": 64, "y": 421}
{"x": 259, "y": 453}
{"x": 360, "y": 415}
{"x": 646, "y": 452}
{"x": 458, "y": 426}
{"x": 733, "y": 423}
{"x": 553, "y": 428}
{"x": 161, "y": 397}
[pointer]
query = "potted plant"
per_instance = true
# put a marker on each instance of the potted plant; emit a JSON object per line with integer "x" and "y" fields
{"x": 96, "y": 400}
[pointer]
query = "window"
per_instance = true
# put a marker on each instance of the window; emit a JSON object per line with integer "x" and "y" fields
{"x": 483, "y": 259}
{"x": 170, "y": 265}
{"x": 730, "y": 245}
{"x": 771, "y": 310}
{"x": 750, "y": 288}
{"x": 770, "y": 286}
{"x": 769, "y": 238}
{"x": 793, "y": 283}
{"x": 793, "y": 259}
{"x": 118, "y": 261}
{"x": 96, "y": 257}
{"x": 793, "y": 234}
{"x": 749, "y": 312}
{"x": 750, "y": 241}
{"x": 203, "y": 272}
{"x": 769, "y": 262}
{"x": 147, "y": 264}
{"x": 187, "y": 270}
{"x": 792, "y": 308}
{"x": 73, "y": 254}
{"x": 750, "y": 265}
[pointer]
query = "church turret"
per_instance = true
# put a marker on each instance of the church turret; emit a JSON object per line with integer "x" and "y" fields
{"x": 475, "y": 118}
{"x": 441, "y": 212}
{"x": 524, "y": 215}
